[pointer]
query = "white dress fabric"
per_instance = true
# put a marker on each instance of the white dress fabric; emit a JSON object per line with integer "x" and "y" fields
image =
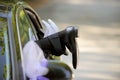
{"x": 34, "y": 62}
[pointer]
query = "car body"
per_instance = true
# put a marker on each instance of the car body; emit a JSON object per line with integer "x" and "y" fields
{"x": 18, "y": 24}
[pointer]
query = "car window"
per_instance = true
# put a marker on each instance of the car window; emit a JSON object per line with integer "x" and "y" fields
{"x": 36, "y": 22}
{"x": 5, "y": 64}
{"x": 26, "y": 31}
{"x": 25, "y": 28}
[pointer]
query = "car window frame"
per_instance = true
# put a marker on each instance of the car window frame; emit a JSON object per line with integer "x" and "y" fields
{"x": 12, "y": 49}
{"x": 26, "y": 27}
{"x": 19, "y": 39}
{"x": 7, "y": 67}
{"x": 35, "y": 19}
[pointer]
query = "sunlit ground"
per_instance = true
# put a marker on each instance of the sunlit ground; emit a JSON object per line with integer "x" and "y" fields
{"x": 99, "y": 34}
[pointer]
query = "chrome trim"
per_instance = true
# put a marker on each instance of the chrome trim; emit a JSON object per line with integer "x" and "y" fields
{"x": 12, "y": 47}
{"x": 17, "y": 26}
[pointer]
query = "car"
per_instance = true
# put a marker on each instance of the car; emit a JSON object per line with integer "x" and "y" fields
{"x": 17, "y": 21}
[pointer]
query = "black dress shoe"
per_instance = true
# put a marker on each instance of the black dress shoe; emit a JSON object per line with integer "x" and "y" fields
{"x": 56, "y": 43}
{"x": 52, "y": 45}
{"x": 67, "y": 38}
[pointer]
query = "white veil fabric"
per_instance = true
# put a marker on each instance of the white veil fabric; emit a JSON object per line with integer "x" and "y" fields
{"x": 51, "y": 27}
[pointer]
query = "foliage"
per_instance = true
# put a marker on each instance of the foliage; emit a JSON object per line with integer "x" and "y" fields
{"x": 2, "y": 29}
